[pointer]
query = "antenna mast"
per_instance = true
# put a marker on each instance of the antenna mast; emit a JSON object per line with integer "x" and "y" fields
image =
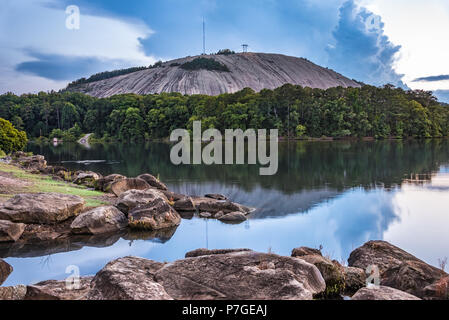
{"x": 204, "y": 37}
{"x": 245, "y": 48}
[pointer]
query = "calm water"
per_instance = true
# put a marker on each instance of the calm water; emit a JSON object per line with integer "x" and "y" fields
{"x": 335, "y": 194}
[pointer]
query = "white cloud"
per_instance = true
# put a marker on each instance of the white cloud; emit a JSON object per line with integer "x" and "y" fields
{"x": 421, "y": 29}
{"x": 33, "y": 25}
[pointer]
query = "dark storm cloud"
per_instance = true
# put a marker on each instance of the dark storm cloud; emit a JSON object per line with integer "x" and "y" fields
{"x": 433, "y": 78}
{"x": 362, "y": 51}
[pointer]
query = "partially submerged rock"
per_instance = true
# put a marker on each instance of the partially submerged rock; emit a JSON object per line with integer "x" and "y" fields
{"x": 216, "y": 196}
{"x": 131, "y": 199}
{"x": 241, "y": 276}
{"x": 204, "y": 204}
{"x": 128, "y": 278}
{"x": 99, "y": 220}
{"x": 398, "y": 269}
{"x": 58, "y": 290}
{"x": 153, "y": 181}
{"x": 10, "y": 231}
{"x": 44, "y": 208}
{"x": 122, "y": 185}
{"x": 5, "y": 271}
{"x": 382, "y": 293}
{"x": 155, "y": 215}
{"x": 233, "y": 217}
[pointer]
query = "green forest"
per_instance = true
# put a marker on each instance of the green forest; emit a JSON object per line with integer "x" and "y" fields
{"x": 297, "y": 112}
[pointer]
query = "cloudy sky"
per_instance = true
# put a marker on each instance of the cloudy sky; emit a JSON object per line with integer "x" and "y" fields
{"x": 402, "y": 42}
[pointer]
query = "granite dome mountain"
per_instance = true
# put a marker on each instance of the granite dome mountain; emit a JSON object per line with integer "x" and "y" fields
{"x": 214, "y": 75}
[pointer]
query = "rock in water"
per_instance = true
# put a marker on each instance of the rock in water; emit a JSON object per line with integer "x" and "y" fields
{"x": 204, "y": 204}
{"x": 120, "y": 186}
{"x": 241, "y": 276}
{"x": 153, "y": 181}
{"x": 128, "y": 278}
{"x": 156, "y": 215}
{"x": 398, "y": 269}
{"x": 233, "y": 217}
{"x": 246, "y": 70}
{"x": 134, "y": 198}
{"x": 5, "y": 271}
{"x": 10, "y": 231}
{"x": 41, "y": 208}
{"x": 99, "y": 220}
{"x": 382, "y": 293}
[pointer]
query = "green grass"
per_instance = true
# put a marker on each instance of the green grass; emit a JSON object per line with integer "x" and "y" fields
{"x": 43, "y": 183}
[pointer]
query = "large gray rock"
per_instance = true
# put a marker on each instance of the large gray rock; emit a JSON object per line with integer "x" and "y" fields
{"x": 204, "y": 204}
{"x": 247, "y": 70}
{"x": 241, "y": 276}
{"x": 99, "y": 220}
{"x": 128, "y": 278}
{"x": 5, "y": 271}
{"x": 156, "y": 215}
{"x": 185, "y": 205}
{"x": 122, "y": 185}
{"x": 58, "y": 290}
{"x": 131, "y": 199}
{"x": 331, "y": 271}
{"x": 382, "y": 293}
{"x": 13, "y": 293}
{"x": 398, "y": 269}
{"x": 153, "y": 181}
{"x": 10, "y": 231}
{"x": 34, "y": 163}
{"x": 86, "y": 178}
{"x": 104, "y": 183}
{"x": 355, "y": 279}
{"x": 45, "y": 208}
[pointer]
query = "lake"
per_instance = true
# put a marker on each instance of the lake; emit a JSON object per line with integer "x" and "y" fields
{"x": 337, "y": 195}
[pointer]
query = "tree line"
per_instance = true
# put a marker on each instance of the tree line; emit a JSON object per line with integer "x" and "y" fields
{"x": 293, "y": 110}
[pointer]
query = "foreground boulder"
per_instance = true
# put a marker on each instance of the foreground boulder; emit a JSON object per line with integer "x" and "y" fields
{"x": 33, "y": 163}
{"x": 155, "y": 215}
{"x": 131, "y": 199}
{"x": 398, "y": 269}
{"x": 104, "y": 184}
{"x": 57, "y": 290}
{"x": 13, "y": 293}
{"x": 99, "y": 220}
{"x": 5, "y": 271}
{"x": 10, "y": 231}
{"x": 240, "y": 276}
{"x": 120, "y": 186}
{"x": 382, "y": 293}
{"x": 86, "y": 178}
{"x": 153, "y": 181}
{"x": 41, "y": 208}
{"x": 331, "y": 271}
{"x": 128, "y": 278}
{"x": 355, "y": 279}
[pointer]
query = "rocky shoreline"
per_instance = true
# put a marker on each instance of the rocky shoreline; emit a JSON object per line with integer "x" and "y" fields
{"x": 51, "y": 222}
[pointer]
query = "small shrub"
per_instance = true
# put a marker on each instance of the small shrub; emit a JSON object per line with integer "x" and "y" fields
{"x": 204, "y": 64}
{"x": 11, "y": 139}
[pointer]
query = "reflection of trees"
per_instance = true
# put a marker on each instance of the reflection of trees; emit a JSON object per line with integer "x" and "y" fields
{"x": 302, "y": 165}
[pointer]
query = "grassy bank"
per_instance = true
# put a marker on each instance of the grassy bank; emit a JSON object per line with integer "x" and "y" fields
{"x": 16, "y": 180}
